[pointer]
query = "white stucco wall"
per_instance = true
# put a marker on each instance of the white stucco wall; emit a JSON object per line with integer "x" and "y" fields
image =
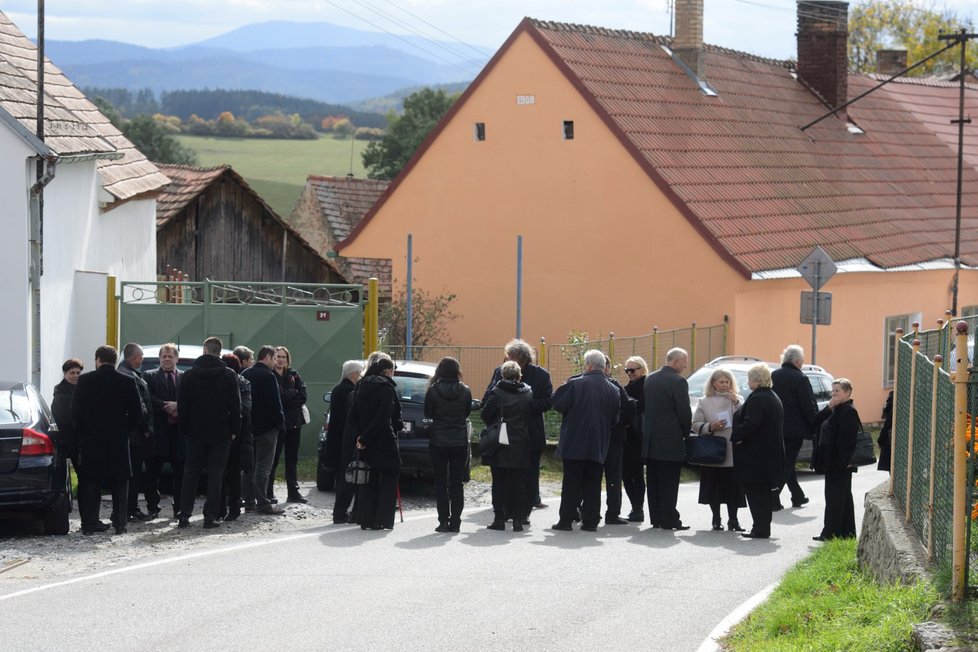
{"x": 14, "y": 226}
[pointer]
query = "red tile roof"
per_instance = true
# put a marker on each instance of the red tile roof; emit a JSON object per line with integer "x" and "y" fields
{"x": 739, "y": 168}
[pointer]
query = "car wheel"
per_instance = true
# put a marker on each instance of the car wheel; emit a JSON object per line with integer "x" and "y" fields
{"x": 325, "y": 478}
{"x": 56, "y": 515}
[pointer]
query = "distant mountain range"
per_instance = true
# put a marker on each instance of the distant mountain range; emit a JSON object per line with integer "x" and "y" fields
{"x": 320, "y": 61}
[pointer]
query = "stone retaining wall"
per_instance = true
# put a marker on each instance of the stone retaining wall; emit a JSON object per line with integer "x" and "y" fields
{"x": 888, "y": 546}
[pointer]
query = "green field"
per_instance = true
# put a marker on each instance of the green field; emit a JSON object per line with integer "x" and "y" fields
{"x": 277, "y": 169}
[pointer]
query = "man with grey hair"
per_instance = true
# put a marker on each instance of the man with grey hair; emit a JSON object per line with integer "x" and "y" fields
{"x": 589, "y": 405}
{"x": 800, "y": 408}
{"x": 338, "y": 450}
{"x": 141, "y": 444}
{"x": 245, "y": 355}
{"x": 668, "y": 419}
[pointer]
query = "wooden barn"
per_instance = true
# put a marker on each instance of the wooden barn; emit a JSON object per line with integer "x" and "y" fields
{"x": 211, "y": 224}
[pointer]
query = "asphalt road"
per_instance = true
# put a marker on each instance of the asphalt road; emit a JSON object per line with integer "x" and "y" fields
{"x": 337, "y": 587}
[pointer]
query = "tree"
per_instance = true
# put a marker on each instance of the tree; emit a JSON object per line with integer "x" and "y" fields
{"x": 904, "y": 25}
{"x": 431, "y": 316}
{"x": 422, "y": 111}
{"x": 155, "y": 142}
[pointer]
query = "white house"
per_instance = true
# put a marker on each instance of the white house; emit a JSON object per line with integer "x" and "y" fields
{"x": 98, "y": 217}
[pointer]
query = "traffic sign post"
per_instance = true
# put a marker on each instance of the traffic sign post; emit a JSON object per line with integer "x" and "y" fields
{"x": 817, "y": 269}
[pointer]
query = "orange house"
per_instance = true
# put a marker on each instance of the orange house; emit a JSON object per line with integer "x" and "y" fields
{"x": 659, "y": 181}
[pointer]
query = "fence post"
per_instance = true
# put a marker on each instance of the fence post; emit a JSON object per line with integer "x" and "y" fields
{"x": 611, "y": 347}
{"x": 898, "y": 335}
{"x": 692, "y": 347}
{"x": 933, "y": 447}
{"x": 913, "y": 386}
{"x": 655, "y": 347}
{"x": 542, "y": 354}
{"x": 960, "y": 513}
{"x": 726, "y": 326}
{"x": 946, "y": 341}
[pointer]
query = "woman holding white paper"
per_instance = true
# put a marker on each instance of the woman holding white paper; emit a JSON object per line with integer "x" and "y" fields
{"x": 714, "y": 416}
{"x": 509, "y": 401}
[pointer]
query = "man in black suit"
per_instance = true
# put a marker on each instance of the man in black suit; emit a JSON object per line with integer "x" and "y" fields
{"x": 105, "y": 409}
{"x": 267, "y": 419}
{"x": 800, "y": 408}
{"x": 163, "y": 382}
{"x": 668, "y": 419}
{"x": 539, "y": 381}
{"x": 209, "y": 415}
{"x": 141, "y": 445}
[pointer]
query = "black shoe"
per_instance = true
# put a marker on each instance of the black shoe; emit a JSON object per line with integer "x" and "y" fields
{"x": 517, "y": 526}
{"x": 233, "y": 515}
{"x": 541, "y": 505}
{"x": 442, "y": 527}
{"x": 152, "y": 513}
{"x": 614, "y": 520}
{"x": 250, "y": 508}
{"x": 210, "y": 524}
{"x": 183, "y": 522}
{"x": 819, "y": 538}
{"x": 717, "y": 525}
{"x": 273, "y": 500}
{"x": 801, "y": 501}
{"x": 678, "y": 528}
{"x": 341, "y": 518}
{"x": 753, "y": 535}
{"x": 777, "y": 507}
{"x": 87, "y": 532}
{"x": 561, "y": 526}
{"x": 636, "y": 517}
{"x": 138, "y": 515}
{"x": 120, "y": 530}
{"x": 101, "y": 527}
{"x": 270, "y": 510}
{"x": 734, "y": 526}
{"x": 297, "y": 499}
{"x": 496, "y": 525}
{"x": 589, "y": 528}
{"x": 454, "y": 526}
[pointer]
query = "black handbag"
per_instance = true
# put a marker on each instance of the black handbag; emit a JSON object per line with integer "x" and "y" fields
{"x": 489, "y": 440}
{"x": 864, "y": 454}
{"x": 706, "y": 449}
{"x": 357, "y": 471}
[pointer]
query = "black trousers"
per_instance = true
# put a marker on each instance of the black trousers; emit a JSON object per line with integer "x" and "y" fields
{"x": 448, "y": 466}
{"x": 231, "y": 485}
{"x": 154, "y": 467}
{"x": 74, "y": 457}
{"x": 612, "y": 479}
{"x": 137, "y": 456}
{"x": 341, "y": 503}
{"x": 201, "y": 455}
{"x": 508, "y": 494}
{"x": 289, "y": 442}
{"x": 531, "y": 480}
{"x": 633, "y": 475}
{"x": 581, "y": 487}
{"x": 663, "y": 486}
{"x": 377, "y": 499}
{"x": 840, "y": 519}
{"x": 759, "y": 501}
{"x": 90, "y": 492}
{"x": 791, "y": 448}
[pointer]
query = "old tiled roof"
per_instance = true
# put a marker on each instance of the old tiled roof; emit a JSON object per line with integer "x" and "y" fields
{"x": 343, "y": 201}
{"x": 73, "y": 126}
{"x": 737, "y": 165}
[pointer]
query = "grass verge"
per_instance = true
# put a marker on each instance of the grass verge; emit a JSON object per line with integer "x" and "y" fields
{"x": 826, "y": 603}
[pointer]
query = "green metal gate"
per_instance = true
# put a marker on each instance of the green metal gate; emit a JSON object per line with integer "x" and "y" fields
{"x": 321, "y": 325}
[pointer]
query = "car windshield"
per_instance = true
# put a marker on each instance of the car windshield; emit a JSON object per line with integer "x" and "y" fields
{"x": 14, "y": 407}
{"x": 411, "y": 389}
{"x": 697, "y": 382}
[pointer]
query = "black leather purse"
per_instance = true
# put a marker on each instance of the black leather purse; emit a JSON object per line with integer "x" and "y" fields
{"x": 357, "y": 471}
{"x": 706, "y": 449}
{"x": 864, "y": 454}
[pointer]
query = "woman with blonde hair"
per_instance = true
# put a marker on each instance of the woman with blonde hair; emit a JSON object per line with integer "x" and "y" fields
{"x": 714, "y": 416}
{"x": 633, "y": 466}
{"x": 758, "y": 451}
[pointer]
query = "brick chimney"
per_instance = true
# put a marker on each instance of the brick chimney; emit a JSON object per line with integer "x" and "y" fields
{"x": 890, "y": 62}
{"x": 822, "y": 56}
{"x": 687, "y": 45}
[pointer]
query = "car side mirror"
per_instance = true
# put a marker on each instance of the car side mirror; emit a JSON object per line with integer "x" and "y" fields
{"x": 476, "y": 404}
{"x": 327, "y": 396}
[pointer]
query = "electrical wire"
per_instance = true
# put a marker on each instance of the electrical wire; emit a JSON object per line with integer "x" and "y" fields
{"x": 438, "y": 29}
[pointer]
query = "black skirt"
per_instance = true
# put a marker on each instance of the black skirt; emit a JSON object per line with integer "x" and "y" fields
{"x": 718, "y": 486}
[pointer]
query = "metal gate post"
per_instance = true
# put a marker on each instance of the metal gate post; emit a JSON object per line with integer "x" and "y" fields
{"x": 960, "y": 513}
{"x": 913, "y": 386}
{"x": 112, "y": 307}
{"x": 933, "y": 448}
{"x": 898, "y": 335}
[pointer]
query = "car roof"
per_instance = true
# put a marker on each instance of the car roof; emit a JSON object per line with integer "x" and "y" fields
{"x": 744, "y": 362}
{"x": 186, "y": 351}
{"x": 6, "y": 385}
{"x": 412, "y": 367}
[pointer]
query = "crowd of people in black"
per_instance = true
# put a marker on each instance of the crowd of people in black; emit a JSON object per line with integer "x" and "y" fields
{"x": 233, "y": 416}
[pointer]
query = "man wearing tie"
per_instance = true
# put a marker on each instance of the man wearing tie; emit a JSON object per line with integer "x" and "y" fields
{"x": 163, "y": 384}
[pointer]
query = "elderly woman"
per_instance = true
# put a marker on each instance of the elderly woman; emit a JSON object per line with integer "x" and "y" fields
{"x": 838, "y": 424}
{"x": 339, "y": 448}
{"x": 375, "y": 417}
{"x": 758, "y": 452}
{"x": 510, "y": 401}
{"x": 633, "y": 469}
{"x": 448, "y": 402}
{"x": 714, "y": 416}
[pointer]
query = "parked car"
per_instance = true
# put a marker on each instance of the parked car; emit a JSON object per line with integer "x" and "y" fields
{"x": 411, "y": 379}
{"x": 34, "y": 480}
{"x": 820, "y": 380}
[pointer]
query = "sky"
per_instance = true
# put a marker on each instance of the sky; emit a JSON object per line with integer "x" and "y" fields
{"x": 763, "y": 27}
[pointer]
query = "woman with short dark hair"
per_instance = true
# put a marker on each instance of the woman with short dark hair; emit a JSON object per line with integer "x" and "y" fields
{"x": 448, "y": 402}
{"x": 837, "y": 426}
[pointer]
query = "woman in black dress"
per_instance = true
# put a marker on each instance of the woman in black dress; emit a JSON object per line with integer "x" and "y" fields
{"x": 633, "y": 465}
{"x": 292, "y": 389}
{"x": 837, "y": 426}
{"x": 448, "y": 402}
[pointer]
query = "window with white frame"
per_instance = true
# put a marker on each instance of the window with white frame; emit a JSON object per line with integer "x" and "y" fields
{"x": 889, "y": 342}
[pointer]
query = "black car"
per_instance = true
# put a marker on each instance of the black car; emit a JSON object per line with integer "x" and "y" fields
{"x": 411, "y": 379}
{"x": 34, "y": 479}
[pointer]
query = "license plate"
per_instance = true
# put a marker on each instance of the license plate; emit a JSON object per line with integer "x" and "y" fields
{"x": 408, "y": 426}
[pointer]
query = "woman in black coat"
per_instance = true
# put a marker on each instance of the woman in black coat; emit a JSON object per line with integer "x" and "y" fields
{"x": 633, "y": 469}
{"x": 837, "y": 426}
{"x": 376, "y": 417}
{"x": 339, "y": 446}
{"x": 61, "y": 410}
{"x": 510, "y": 401}
{"x": 758, "y": 450}
{"x": 448, "y": 402}
{"x": 883, "y": 440}
{"x": 292, "y": 391}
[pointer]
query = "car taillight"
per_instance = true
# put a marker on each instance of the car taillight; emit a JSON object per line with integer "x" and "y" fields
{"x": 35, "y": 443}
